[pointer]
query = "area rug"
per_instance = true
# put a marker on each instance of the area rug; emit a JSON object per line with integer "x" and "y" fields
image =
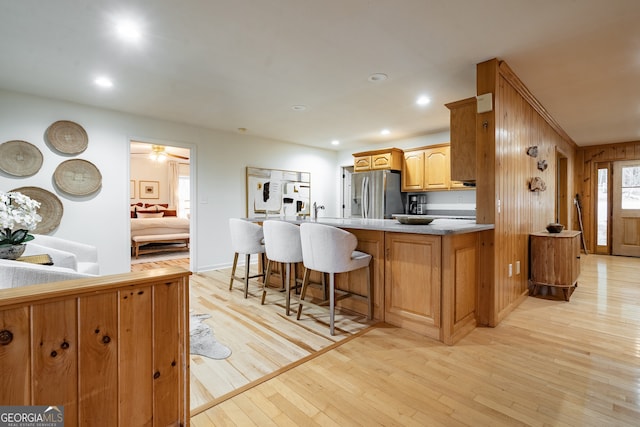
{"x": 202, "y": 340}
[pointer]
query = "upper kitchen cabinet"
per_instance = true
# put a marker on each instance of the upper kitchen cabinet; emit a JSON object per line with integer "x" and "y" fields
{"x": 413, "y": 171}
{"x": 427, "y": 168}
{"x": 388, "y": 158}
{"x": 463, "y": 139}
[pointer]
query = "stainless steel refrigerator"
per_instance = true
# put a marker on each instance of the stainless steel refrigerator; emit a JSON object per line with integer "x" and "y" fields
{"x": 376, "y": 194}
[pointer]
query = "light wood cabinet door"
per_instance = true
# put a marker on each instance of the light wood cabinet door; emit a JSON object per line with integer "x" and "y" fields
{"x": 413, "y": 282}
{"x": 463, "y": 139}
{"x": 436, "y": 168}
{"x": 381, "y": 161}
{"x": 361, "y": 163}
{"x": 413, "y": 171}
{"x": 388, "y": 158}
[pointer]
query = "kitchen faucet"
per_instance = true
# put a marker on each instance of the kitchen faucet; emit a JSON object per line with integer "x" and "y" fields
{"x": 315, "y": 209}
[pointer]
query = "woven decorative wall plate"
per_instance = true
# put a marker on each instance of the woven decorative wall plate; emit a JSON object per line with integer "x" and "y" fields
{"x": 20, "y": 158}
{"x": 50, "y": 208}
{"x": 67, "y": 137}
{"x": 77, "y": 177}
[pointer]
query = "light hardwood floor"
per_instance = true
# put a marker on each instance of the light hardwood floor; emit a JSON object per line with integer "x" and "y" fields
{"x": 550, "y": 362}
{"x": 264, "y": 341}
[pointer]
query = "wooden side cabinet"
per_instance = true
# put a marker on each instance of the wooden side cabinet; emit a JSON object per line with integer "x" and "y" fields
{"x": 555, "y": 261}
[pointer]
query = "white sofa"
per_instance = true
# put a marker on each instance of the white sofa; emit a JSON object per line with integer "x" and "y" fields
{"x": 71, "y": 260}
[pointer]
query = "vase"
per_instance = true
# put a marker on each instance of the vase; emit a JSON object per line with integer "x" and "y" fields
{"x": 12, "y": 251}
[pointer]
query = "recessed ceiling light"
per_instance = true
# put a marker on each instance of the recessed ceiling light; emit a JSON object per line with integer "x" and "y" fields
{"x": 242, "y": 130}
{"x": 298, "y": 107}
{"x": 423, "y": 100}
{"x": 378, "y": 77}
{"x": 335, "y": 142}
{"x": 385, "y": 132}
{"x": 128, "y": 30}
{"x": 103, "y": 82}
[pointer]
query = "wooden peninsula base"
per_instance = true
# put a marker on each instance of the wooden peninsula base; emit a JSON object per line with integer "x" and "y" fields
{"x": 424, "y": 279}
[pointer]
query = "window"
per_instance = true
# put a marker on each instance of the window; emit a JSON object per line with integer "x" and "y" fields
{"x": 603, "y": 207}
{"x": 630, "y": 187}
{"x": 184, "y": 197}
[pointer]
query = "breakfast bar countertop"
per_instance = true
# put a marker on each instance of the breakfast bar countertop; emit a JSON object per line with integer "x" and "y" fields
{"x": 439, "y": 226}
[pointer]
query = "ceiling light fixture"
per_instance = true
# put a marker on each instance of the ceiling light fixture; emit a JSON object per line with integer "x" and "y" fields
{"x": 335, "y": 142}
{"x": 385, "y": 132}
{"x": 298, "y": 107}
{"x": 157, "y": 153}
{"x": 377, "y": 77}
{"x": 423, "y": 100}
{"x": 103, "y": 82}
{"x": 128, "y": 31}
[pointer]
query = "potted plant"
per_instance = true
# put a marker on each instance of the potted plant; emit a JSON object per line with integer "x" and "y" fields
{"x": 18, "y": 215}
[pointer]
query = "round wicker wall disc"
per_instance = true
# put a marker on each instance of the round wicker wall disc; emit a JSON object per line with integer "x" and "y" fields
{"x": 19, "y": 158}
{"x": 77, "y": 177}
{"x": 67, "y": 137}
{"x": 50, "y": 208}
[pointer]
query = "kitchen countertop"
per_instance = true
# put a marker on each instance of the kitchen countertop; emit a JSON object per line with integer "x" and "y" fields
{"x": 439, "y": 226}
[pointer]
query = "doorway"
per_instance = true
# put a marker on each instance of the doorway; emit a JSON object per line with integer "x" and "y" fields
{"x": 161, "y": 189}
{"x": 562, "y": 185}
{"x": 347, "y": 172}
{"x": 626, "y": 208}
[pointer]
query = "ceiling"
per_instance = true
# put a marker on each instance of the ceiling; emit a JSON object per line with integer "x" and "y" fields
{"x": 240, "y": 66}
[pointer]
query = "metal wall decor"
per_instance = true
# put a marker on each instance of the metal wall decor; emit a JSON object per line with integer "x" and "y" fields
{"x": 537, "y": 184}
{"x": 20, "y": 158}
{"x": 67, "y": 137}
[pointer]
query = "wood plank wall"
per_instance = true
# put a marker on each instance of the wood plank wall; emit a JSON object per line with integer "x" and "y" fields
{"x": 588, "y": 159}
{"x": 517, "y": 122}
{"x": 114, "y": 351}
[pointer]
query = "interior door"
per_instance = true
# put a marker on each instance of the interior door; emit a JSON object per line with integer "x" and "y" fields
{"x": 626, "y": 208}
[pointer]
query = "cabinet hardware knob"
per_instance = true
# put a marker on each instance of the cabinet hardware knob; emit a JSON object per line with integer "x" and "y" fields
{"x": 6, "y": 337}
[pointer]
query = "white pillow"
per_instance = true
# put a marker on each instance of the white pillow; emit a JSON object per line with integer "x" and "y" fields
{"x": 150, "y": 215}
{"x": 156, "y": 207}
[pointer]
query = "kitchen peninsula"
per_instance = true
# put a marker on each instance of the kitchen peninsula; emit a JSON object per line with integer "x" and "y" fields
{"x": 425, "y": 277}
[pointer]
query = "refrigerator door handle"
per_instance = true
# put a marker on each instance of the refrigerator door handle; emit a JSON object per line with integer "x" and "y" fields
{"x": 365, "y": 197}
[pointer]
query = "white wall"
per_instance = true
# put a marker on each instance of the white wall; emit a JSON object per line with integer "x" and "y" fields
{"x": 218, "y": 171}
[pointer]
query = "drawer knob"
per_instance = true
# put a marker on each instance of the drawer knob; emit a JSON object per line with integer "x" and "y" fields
{"x": 6, "y": 337}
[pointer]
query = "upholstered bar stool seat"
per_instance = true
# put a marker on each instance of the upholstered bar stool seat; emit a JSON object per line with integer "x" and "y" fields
{"x": 247, "y": 238}
{"x": 332, "y": 250}
{"x": 282, "y": 244}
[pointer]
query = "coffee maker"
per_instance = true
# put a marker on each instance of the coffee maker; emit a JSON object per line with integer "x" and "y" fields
{"x": 417, "y": 204}
{"x": 413, "y": 204}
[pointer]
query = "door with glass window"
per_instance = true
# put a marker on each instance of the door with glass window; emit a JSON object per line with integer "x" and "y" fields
{"x": 626, "y": 208}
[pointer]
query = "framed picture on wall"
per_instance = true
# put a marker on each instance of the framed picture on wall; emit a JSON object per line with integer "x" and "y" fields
{"x": 149, "y": 190}
{"x": 132, "y": 189}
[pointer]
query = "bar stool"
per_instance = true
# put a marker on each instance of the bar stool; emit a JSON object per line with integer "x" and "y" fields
{"x": 282, "y": 244}
{"x": 246, "y": 238}
{"x": 332, "y": 250}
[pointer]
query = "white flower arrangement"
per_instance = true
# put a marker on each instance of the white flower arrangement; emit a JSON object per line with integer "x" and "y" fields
{"x": 19, "y": 212}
